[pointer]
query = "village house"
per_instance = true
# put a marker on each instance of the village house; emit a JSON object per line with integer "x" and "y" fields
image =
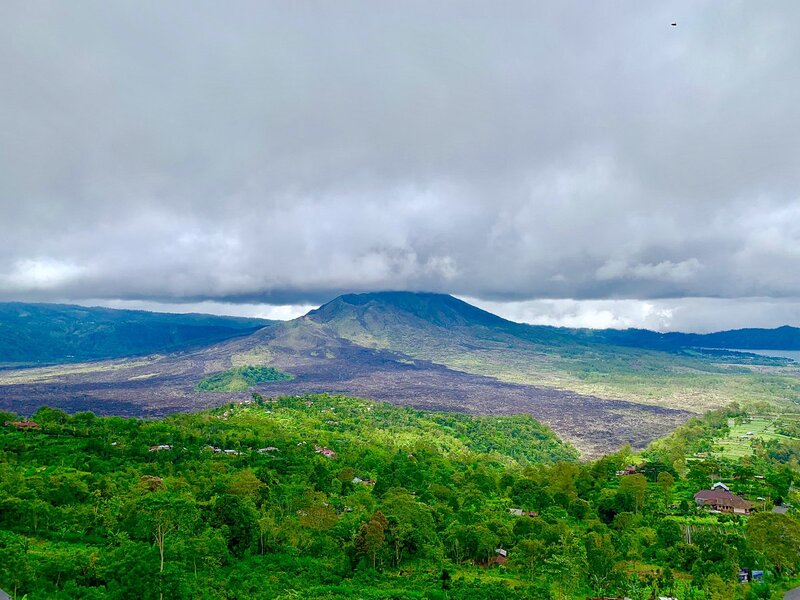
{"x": 518, "y": 512}
{"x": 500, "y": 558}
{"x": 363, "y": 481}
{"x": 216, "y": 450}
{"x": 267, "y": 449}
{"x": 747, "y": 575}
{"x": 22, "y": 424}
{"x": 325, "y": 451}
{"x": 159, "y": 448}
{"x": 720, "y": 498}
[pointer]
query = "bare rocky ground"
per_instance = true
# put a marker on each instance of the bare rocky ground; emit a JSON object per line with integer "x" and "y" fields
{"x": 157, "y": 386}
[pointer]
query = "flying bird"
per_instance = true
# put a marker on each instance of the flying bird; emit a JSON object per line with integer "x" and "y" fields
{"x": 674, "y": 24}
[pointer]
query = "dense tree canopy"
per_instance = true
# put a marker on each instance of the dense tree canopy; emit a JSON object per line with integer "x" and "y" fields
{"x": 332, "y": 497}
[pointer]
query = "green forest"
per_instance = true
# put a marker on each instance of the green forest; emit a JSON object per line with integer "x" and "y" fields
{"x": 324, "y": 496}
{"x": 240, "y": 379}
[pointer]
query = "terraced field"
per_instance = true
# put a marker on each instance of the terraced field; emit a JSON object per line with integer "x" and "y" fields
{"x": 739, "y": 441}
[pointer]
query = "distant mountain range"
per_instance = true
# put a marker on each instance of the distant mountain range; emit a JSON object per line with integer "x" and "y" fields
{"x": 60, "y": 333}
{"x": 57, "y": 333}
{"x": 595, "y": 388}
{"x": 780, "y": 338}
{"x": 381, "y": 310}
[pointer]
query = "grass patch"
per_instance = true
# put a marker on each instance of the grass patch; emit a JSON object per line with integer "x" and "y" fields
{"x": 240, "y": 379}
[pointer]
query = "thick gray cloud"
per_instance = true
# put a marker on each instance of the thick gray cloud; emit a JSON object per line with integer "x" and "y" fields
{"x": 285, "y": 152}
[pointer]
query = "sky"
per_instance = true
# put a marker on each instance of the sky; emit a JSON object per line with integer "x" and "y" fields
{"x": 564, "y": 162}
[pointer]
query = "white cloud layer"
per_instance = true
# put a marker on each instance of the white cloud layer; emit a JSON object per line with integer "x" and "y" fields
{"x": 31, "y": 275}
{"x": 699, "y": 315}
{"x": 282, "y": 312}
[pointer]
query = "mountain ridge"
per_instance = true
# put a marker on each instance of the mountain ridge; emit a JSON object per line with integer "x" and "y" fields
{"x": 42, "y": 333}
{"x": 444, "y": 310}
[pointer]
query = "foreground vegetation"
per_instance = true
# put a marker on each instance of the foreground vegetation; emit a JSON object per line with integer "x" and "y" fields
{"x": 332, "y": 497}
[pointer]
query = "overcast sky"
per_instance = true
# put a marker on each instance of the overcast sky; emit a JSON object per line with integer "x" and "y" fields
{"x": 558, "y": 162}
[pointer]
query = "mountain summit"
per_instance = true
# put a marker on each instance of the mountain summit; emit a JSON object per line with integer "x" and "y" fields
{"x": 431, "y": 326}
{"x": 441, "y": 310}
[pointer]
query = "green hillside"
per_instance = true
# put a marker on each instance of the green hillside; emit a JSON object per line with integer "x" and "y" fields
{"x": 633, "y": 365}
{"x": 57, "y": 333}
{"x": 330, "y": 497}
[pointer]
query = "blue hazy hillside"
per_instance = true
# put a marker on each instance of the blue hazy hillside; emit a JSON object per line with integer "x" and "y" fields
{"x": 57, "y": 333}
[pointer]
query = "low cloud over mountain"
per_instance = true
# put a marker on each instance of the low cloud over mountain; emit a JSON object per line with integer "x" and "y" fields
{"x": 282, "y": 154}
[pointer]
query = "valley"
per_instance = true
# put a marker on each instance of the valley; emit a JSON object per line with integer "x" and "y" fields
{"x": 432, "y": 352}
